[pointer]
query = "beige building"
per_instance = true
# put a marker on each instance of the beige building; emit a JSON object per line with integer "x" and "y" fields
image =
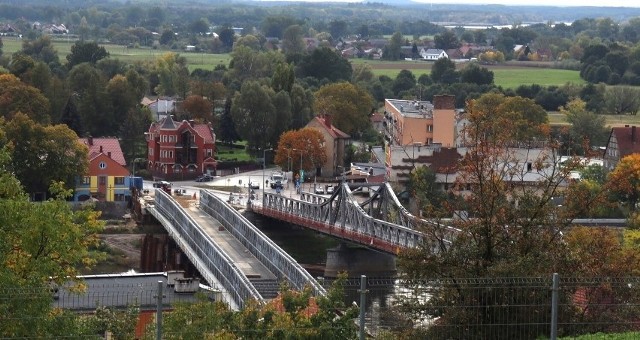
{"x": 409, "y": 122}
{"x": 335, "y": 144}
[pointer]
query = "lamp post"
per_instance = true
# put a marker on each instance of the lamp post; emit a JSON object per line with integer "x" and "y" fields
{"x": 264, "y": 160}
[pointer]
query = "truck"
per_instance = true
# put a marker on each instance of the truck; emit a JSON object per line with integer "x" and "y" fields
{"x": 277, "y": 180}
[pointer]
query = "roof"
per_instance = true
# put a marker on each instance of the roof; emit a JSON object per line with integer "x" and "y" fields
{"x": 377, "y": 117}
{"x": 121, "y": 290}
{"x": 624, "y": 135}
{"x": 104, "y": 145}
{"x": 434, "y": 51}
{"x": 444, "y": 161}
{"x": 167, "y": 123}
{"x": 333, "y": 131}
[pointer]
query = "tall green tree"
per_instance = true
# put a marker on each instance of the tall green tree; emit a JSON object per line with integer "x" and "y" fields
{"x": 226, "y": 130}
{"x": 324, "y": 63}
{"x": 444, "y": 71}
{"x": 301, "y": 106}
{"x": 587, "y": 129}
{"x": 292, "y": 42}
{"x": 16, "y": 96}
{"x": 85, "y": 52}
{"x": 41, "y": 49}
{"x": 89, "y": 87}
{"x": 348, "y": 105}
{"x": 254, "y": 115}
{"x": 393, "y": 51}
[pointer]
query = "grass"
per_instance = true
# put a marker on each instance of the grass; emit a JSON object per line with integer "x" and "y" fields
{"x": 607, "y": 336}
{"x": 557, "y": 118}
{"x": 207, "y": 61}
{"x": 228, "y": 153}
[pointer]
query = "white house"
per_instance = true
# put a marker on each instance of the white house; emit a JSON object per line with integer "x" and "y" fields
{"x": 433, "y": 54}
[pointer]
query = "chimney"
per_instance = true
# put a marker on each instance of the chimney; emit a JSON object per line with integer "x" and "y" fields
{"x": 109, "y": 154}
{"x": 100, "y": 148}
{"x": 633, "y": 134}
{"x": 444, "y": 102}
{"x": 90, "y": 140}
{"x": 327, "y": 120}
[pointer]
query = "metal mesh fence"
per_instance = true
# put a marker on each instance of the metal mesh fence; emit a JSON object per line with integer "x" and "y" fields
{"x": 462, "y": 308}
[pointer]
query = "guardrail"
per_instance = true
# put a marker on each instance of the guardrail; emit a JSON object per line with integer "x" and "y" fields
{"x": 266, "y": 251}
{"x": 210, "y": 260}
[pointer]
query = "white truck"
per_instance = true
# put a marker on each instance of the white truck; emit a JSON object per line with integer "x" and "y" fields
{"x": 277, "y": 180}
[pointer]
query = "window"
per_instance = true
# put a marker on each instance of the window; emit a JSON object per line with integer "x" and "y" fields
{"x": 170, "y": 154}
{"x": 529, "y": 166}
{"x": 119, "y": 180}
{"x": 86, "y": 180}
{"x": 429, "y": 128}
{"x": 102, "y": 165}
{"x": 150, "y": 151}
{"x": 209, "y": 152}
{"x": 102, "y": 180}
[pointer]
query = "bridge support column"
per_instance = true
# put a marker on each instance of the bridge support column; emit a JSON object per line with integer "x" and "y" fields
{"x": 358, "y": 261}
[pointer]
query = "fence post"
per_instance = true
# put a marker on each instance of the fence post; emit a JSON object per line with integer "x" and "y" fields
{"x": 554, "y": 307}
{"x": 159, "y": 312}
{"x": 363, "y": 293}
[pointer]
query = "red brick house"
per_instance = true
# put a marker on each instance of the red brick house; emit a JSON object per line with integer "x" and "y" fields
{"x": 623, "y": 141}
{"x": 180, "y": 150}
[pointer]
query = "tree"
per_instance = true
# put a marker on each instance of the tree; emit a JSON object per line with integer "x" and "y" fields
{"x": 446, "y": 40}
{"x": 253, "y": 115}
{"x": 42, "y": 155}
{"x": 526, "y": 119}
{"x": 172, "y": 74}
{"x": 324, "y": 63}
{"x": 283, "y": 78}
{"x": 199, "y": 108}
{"x": 41, "y": 49}
{"x": 348, "y": 105}
{"x": 15, "y": 96}
{"x": 88, "y": 85}
{"x": 282, "y": 114}
{"x": 622, "y": 100}
{"x": 473, "y": 73}
{"x": 393, "y": 51}
{"x": 226, "y": 130}
{"x": 624, "y": 180}
{"x": 85, "y": 52}
{"x": 513, "y": 230}
{"x": 308, "y": 142}
{"x": 423, "y": 189}
{"x": 292, "y": 42}
{"x": 441, "y": 68}
{"x": 587, "y": 128}
{"x": 405, "y": 81}
{"x": 249, "y": 64}
{"x": 301, "y": 106}
{"x": 132, "y": 133}
{"x": 167, "y": 37}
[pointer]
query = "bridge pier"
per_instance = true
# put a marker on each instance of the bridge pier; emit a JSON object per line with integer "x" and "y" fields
{"x": 358, "y": 261}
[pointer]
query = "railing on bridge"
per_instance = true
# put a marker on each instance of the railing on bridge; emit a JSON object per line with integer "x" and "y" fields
{"x": 343, "y": 217}
{"x": 210, "y": 260}
{"x": 266, "y": 251}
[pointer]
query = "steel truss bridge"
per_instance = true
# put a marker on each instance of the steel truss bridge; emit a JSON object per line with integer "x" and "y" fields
{"x": 212, "y": 260}
{"x": 380, "y": 223}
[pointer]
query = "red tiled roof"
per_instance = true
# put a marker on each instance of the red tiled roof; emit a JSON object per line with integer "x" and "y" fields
{"x": 333, "y": 131}
{"x": 204, "y": 131}
{"x": 108, "y": 144}
{"x": 626, "y": 145}
{"x": 376, "y": 117}
{"x": 167, "y": 123}
{"x": 444, "y": 161}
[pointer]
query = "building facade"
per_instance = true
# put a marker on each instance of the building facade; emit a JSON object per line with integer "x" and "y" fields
{"x": 335, "y": 144}
{"x": 108, "y": 178}
{"x": 622, "y": 142}
{"x": 180, "y": 150}
{"x": 409, "y": 122}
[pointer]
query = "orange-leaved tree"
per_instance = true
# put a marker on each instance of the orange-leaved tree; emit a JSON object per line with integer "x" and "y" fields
{"x": 301, "y": 148}
{"x": 624, "y": 180}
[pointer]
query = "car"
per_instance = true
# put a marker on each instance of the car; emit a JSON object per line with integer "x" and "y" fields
{"x": 329, "y": 189}
{"x": 319, "y": 190}
{"x": 204, "y": 178}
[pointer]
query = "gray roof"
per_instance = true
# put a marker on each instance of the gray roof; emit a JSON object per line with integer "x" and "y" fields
{"x": 122, "y": 290}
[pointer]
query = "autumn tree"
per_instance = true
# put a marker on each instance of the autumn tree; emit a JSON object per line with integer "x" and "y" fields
{"x": 306, "y": 143}
{"x": 624, "y": 180}
{"x": 44, "y": 154}
{"x": 16, "y": 96}
{"x": 512, "y": 227}
{"x": 198, "y": 108}
{"x": 347, "y": 104}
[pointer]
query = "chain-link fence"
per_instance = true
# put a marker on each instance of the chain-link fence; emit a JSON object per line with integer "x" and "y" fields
{"x": 461, "y": 308}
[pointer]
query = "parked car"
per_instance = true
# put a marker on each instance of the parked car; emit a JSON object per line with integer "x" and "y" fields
{"x": 329, "y": 189}
{"x": 204, "y": 178}
{"x": 319, "y": 190}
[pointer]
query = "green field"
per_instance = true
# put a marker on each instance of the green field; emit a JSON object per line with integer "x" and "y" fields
{"x": 195, "y": 60}
{"x": 556, "y": 118}
{"x": 505, "y": 76}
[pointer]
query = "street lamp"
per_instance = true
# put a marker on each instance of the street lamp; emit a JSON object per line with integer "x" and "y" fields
{"x": 264, "y": 159}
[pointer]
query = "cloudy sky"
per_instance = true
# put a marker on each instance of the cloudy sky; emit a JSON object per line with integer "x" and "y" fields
{"x": 564, "y": 3}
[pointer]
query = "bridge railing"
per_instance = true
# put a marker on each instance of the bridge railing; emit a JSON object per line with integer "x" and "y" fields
{"x": 347, "y": 215}
{"x": 210, "y": 260}
{"x": 266, "y": 251}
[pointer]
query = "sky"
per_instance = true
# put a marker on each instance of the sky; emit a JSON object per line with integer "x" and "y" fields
{"x": 562, "y": 3}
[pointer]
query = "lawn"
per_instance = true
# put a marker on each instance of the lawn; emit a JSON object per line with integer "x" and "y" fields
{"x": 556, "y": 118}
{"x": 207, "y": 61}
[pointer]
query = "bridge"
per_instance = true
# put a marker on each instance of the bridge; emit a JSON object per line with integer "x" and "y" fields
{"x": 228, "y": 251}
{"x": 380, "y": 222}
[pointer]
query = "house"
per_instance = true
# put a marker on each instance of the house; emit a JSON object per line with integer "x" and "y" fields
{"x": 623, "y": 141}
{"x": 162, "y": 107}
{"x": 433, "y": 54}
{"x": 180, "y": 150}
{"x": 377, "y": 121}
{"x": 107, "y": 179}
{"x": 413, "y": 121}
{"x": 335, "y": 144}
